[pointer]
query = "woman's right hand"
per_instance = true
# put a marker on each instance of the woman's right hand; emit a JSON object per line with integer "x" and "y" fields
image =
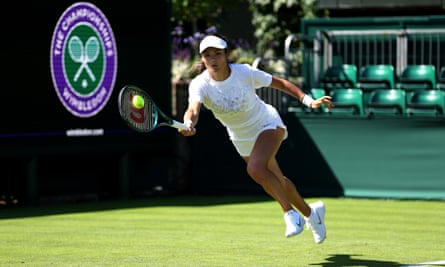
{"x": 190, "y": 131}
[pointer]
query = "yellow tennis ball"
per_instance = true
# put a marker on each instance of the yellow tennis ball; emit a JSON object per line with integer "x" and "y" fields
{"x": 138, "y": 101}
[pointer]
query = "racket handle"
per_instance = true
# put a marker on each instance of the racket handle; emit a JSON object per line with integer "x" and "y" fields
{"x": 179, "y": 125}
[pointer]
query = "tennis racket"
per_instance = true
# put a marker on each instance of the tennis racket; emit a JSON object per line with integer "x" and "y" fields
{"x": 148, "y": 117}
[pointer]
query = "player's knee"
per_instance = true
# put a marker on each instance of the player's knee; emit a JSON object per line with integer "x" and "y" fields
{"x": 257, "y": 172}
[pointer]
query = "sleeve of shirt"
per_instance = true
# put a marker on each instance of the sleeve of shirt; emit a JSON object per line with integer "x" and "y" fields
{"x": 260, "y": 78}
{"x": 195, "y": 92}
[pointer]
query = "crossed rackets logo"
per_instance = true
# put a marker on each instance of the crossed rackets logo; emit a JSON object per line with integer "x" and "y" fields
{"x": 84, "y": 58}
{"x": 84, "y": 55}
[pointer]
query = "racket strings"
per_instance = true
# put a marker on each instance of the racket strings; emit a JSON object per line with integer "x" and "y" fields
{"x": 151, "y": 115}
{"x": 143, "y": 119}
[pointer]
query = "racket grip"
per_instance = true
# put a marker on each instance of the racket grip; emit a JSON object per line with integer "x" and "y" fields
{"x": 179, "y": 125}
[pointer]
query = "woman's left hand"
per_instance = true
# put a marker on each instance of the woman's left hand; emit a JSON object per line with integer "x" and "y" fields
{"x": 326, "y": 100}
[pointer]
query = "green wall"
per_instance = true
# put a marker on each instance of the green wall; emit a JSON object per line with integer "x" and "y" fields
{"x": 383, "y": 157}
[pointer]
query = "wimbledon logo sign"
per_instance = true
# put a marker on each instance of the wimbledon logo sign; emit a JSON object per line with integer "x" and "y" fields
{"x": 83, "y": 59}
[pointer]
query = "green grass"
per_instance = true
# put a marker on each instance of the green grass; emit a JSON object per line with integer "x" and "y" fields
{"x": 220, "y": 231}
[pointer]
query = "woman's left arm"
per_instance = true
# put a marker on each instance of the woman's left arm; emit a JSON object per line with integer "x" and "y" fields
{"x": 295, "y": 91}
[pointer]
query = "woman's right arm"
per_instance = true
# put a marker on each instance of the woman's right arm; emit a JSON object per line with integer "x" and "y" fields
{"x": 191, "y": 116}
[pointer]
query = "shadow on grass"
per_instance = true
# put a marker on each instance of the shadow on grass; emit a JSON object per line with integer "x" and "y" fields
{"x": 344, "y": 260}
{"x": 155, "y": 201}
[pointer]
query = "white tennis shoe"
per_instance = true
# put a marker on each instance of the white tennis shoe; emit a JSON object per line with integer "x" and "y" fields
{"x": 315, "y": 221}
{"x": 294, "y": 223}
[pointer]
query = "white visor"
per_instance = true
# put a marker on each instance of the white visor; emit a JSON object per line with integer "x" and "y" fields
{"x": 212, "y": 41}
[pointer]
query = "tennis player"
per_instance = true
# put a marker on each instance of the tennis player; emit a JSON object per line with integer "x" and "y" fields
{"x": 255, "y": 127}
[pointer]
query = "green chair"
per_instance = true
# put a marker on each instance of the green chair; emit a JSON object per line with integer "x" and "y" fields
{"x": 339, "y": 76}
{"x": 415, "y": 77}
{"x": 351, "y": 72}
{"x": 422, "y": 95}
{"x": 386, "y": 101}
{"x": 426, "y": 102}
{"x": 318, "y": 92}
{"x": 347, "y": 101}
{"x": 441, "y": 79}
{"x": 376, "y": 77}
{"x": 373, "y": 77}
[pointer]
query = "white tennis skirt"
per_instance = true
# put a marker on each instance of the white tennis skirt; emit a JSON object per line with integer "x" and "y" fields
{"x": 273, "y": 120}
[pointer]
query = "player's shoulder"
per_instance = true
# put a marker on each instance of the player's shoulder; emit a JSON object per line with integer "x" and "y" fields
{"x": 200, "y": 80}
{"x": 242, "y": 69}
{"x": 240, "y": 66}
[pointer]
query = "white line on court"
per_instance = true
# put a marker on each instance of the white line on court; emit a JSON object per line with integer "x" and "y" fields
{"x": 425, "y": 264}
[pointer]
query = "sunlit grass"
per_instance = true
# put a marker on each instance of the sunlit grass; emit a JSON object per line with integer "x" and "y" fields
{"x": 220, "y": 231}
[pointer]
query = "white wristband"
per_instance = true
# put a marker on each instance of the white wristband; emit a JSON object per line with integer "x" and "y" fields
{"x": 307, "y": 100}
{"x": 188, "y": 123}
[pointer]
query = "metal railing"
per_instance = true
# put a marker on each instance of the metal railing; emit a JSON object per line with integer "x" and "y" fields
{"x": 397, "y": 47}
{"x": 308, "y": 57}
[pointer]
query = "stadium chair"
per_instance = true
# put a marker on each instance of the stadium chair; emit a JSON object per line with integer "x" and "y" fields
{"x": 422, "y": 95}
{"x": 386, "y": 101}
{"x": 339, "y": 76}
{"x": 417, "y": 77}
{"x": 427, "y": 102}
{"x": 372, "y": 77}
{"x": 340, "y": 82}
{"x": 347, "y": 101}
{"x": 377, "y": 77}
{"x": 379, "y": 90}
{"x": 441, "y": 79}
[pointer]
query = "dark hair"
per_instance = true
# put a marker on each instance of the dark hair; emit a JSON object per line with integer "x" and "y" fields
{"x": 199, "y": 67}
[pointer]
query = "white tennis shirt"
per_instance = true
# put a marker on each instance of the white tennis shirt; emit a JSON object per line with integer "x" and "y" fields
{"x": 234, "y": 101}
